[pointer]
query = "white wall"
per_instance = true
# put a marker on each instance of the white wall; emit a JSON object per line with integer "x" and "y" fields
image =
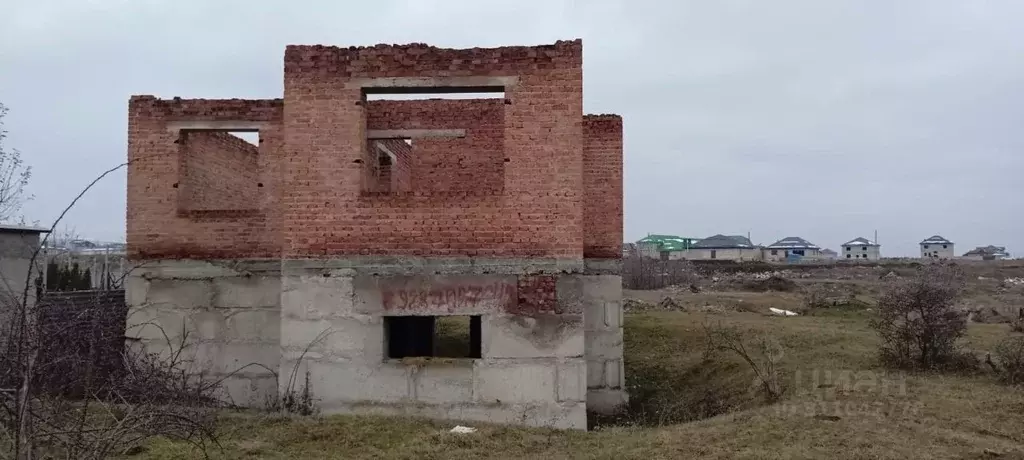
{"x": 937, "y": 251}
{"x": 862, "y": 252}
{"x": 739, "y": 254}
{"x": 780, "y": 254}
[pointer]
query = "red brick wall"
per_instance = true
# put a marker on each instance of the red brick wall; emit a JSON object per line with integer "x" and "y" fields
{"x": 219, "y": 171}
{"x": 602, "y": 186}
{"x": 540, "y": 212}
{"x": 157, "y": 227}
{"x": 513, "y": 187}
{"x": 475, "y": 162}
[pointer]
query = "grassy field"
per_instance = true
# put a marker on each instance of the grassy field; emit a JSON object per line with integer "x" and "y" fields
{"x": 838, "y": 404}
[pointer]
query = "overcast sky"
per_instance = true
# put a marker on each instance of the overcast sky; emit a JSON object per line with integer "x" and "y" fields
{"x": 821, "y": 119}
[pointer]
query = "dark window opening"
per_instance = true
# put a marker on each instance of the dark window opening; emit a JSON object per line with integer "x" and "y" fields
{"x": 432, "y": 336}
{"x": 848, "y": 256}
{"x": 775, "y": 252}
{"x": 798, "y": 252}
{"x": 926, "y": 246}
{"x": 714, "y": 254}
{"x": 410, "y": 94}
{"x": 848, "y": 248}
{"x": 944, "y": 246}
{"x": 865, "y": 248}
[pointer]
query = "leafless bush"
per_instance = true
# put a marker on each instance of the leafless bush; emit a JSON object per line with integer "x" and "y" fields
{"x": 1017, "y": 325}
{"x": 762, "y": 356}
{"x": 918, "y": 320}
{"x": 72, "y": 404}
{"x": 645, "y": 273}
{"x": 1010, "y": 355}
{"x": 99, "y": 413}
{"x": 816, "y": 297}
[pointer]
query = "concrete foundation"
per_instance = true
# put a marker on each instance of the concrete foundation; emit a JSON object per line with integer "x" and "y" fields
{"x": 223, "y": 318}
{"x": 550, "y": 345}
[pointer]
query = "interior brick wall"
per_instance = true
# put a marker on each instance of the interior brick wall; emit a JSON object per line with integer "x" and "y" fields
{"x": 602, "y": 186}
{"x": 401, "y": 168}
{"x": 475, "y": 162}
{"x": 219, "y": 172}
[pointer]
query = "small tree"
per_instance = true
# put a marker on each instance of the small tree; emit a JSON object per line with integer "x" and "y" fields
{"x": 14, "y": 176}
{"x": 918, "y": 320}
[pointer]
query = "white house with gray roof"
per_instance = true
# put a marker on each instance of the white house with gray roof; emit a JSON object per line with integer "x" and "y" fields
{"x": 724, "y": 247}
{"x": 937, "y": 247}
{"x": 792, "y": 246}
{"x": 861, "y": 249}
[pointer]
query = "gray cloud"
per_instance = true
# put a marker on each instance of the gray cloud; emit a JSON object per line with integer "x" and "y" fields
{"x": 825, "y": 120}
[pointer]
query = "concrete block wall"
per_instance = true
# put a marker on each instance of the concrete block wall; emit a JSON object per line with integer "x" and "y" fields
{"x": 603, "y": 318}
{"x": 17, "y": 245}
{"x": 223, "y": 317}
{"x": 532, "y": 368}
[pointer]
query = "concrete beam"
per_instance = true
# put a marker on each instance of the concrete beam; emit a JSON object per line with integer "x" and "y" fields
{"x": 413, "y": 133}
{"x": 434, "y": 85}
{"x": 239, "y": 126}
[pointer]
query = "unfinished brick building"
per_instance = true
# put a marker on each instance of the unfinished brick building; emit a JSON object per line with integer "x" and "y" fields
{"x": 326, "y": 255}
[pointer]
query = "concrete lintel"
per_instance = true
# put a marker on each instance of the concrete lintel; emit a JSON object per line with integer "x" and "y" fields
{"x": 203, "y": 269}
{"x": 413, "y": 133}
{"x": 388, "y": 265}
{"x": 239, "y": 125}
{"x": 466, "y": 84}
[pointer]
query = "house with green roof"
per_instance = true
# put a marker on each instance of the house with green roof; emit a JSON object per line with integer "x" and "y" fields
{"x": 664, "y": 246}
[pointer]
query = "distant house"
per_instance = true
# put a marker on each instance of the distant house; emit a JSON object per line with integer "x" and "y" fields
{"x": 791, "y": 247}
{"x": 664, "y": 246}
{"x": 937, "y": 247}
{"x": 987, "y": 253}
{"x": 629, "y": 250}
{"x": 861, "y": 249}
{"x": 829, "y": 254}
{"x": 724, "y": 247}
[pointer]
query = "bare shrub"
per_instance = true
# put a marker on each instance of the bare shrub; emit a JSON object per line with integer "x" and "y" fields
{"x": 646, "y": 273}
{"x": 918, "y": 320}
{"x": 1010, "y": 355}
{"x": 816, "y": 297}
{"x": 762, "y": 356}
{"x": 75, "y": 405}
{"x": 1017, "y": 325}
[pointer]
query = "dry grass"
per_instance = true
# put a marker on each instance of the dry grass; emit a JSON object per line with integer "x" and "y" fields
{"x": 839, "y": 404}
